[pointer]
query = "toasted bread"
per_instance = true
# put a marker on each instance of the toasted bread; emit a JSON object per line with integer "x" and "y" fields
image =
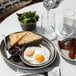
{"x": 15, "y": 37}
{"x": 29, "y": 38}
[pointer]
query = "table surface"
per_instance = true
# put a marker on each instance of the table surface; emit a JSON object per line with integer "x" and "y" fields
{"x": 11, "y": 24}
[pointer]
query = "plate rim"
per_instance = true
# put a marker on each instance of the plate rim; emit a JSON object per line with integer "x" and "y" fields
{"x": 55, "y": 54}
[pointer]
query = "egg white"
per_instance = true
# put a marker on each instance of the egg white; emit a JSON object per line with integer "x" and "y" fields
{"x": 37, "y": 50}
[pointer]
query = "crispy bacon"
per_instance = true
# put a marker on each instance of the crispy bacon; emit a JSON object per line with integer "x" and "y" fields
{"x": 71, "y": 55}
{"x": 70, "y": 46}
{"x": 62, "y": 46}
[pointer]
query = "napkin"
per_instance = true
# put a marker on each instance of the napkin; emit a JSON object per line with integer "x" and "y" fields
{"x": 54, "y": 72}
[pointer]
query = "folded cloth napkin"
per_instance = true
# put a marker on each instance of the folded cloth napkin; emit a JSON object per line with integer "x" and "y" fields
{"x": 54, "y": 72}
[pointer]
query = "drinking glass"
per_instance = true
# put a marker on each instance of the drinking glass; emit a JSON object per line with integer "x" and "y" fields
{"x": 49, "y": 30}
{"x": 50, "y": 19}
{"x": 67, "y": 27}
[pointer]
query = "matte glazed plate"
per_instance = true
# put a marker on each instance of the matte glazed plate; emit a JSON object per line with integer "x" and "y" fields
{"x": 17, "y": 62}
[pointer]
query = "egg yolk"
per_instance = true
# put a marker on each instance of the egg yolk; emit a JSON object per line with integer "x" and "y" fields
{"x": 39, "y": 57}
{"x": 29, "y": 53}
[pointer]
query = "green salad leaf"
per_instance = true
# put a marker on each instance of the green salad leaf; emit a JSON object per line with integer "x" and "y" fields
{"x": 28, "y": 17}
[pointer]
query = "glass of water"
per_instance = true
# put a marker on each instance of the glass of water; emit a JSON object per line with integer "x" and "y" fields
{"x": 67, "y": 27}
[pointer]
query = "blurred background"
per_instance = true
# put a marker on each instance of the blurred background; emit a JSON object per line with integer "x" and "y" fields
{"x": 8, "y": 7}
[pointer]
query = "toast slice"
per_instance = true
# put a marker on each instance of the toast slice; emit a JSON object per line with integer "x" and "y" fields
{"x": 29, "y": 38}
{"x": 15, "y": 37}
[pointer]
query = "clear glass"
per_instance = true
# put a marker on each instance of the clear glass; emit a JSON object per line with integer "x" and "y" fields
{"x": 67, "y": 28}
{"x": 49, "y": 4}
{"x": 48, "y": 29}
{"x": 49, "y": 19}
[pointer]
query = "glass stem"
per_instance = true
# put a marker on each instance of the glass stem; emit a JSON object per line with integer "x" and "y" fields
{"x": 48, "y": 17}
{"x": 48, "y": 20}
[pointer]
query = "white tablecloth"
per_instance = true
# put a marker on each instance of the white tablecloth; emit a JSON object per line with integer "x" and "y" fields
{"x": 11, "y": 24}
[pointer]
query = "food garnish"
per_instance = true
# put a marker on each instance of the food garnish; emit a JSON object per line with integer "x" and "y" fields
{"x": 28, "y": 17}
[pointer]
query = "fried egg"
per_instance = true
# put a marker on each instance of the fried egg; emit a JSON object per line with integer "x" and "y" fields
{"x": 36, "y": 55}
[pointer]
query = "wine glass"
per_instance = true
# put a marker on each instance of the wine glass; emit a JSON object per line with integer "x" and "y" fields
{"x": 50, "y": 20}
